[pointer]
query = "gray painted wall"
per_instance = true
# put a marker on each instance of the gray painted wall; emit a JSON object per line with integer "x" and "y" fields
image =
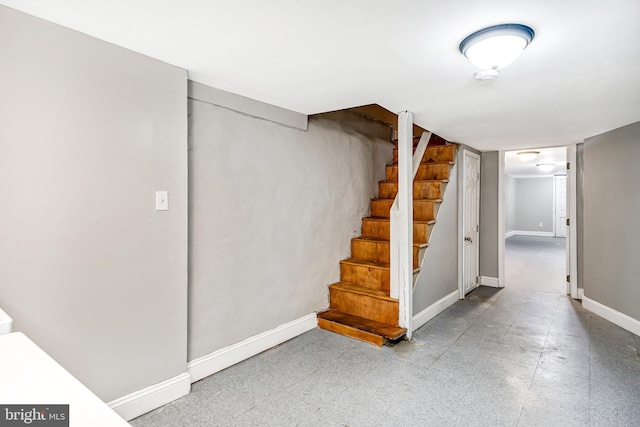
{"x": 272, "y": 211}
{"x": 509, "y": 203}
{"x": 489, "y": 214}
{"x": 534, "y": 204}
{"x": 611, "y": 229}
{"x": 88, "y": 269}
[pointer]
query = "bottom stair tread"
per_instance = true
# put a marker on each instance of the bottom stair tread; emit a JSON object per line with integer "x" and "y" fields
{"x": 367, "y": 326}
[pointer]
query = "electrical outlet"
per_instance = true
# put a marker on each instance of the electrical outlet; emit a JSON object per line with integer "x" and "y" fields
{"x": 540, "y": 224}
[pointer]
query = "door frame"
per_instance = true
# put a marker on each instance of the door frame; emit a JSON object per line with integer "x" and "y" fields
{"x": 572, "y": 229}
{"x": 462, "y": 157}
{"x": 572, "y": 244}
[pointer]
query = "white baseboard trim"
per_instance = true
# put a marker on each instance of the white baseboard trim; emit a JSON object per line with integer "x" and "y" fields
{"x": 629, "y": 323}
{"x": 490, "y": 281}
{"x": 434, "y": 309}
{"x": 580, "y": 293}
{"x": 220, "y": 359}
{"x": 145, "y": 400}
{"x": 532, "y": 233}
{"x": 509, "y": 234}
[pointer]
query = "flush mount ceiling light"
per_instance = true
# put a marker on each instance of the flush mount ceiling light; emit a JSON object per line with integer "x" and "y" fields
{"x": 546, "y": 167}
{"x": 528, "y": 155}
{"x": 494, "y": 47}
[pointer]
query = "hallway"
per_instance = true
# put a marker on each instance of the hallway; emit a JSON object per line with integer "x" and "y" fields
{"x": 536, "y": 263}
{"x": 505, "y": 357}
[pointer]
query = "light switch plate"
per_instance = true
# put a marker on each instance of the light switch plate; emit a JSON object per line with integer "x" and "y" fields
{"x": 162, "y": 200}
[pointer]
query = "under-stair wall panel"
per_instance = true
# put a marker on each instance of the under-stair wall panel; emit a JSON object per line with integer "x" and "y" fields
{"x": 441, "y": 259}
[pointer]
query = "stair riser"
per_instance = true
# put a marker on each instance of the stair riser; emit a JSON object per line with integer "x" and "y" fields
{"x": 421, "y": 190}
{"x": 372, "y": 278}
{"x": 351, "y": 332}
{"x": 365, "y": 306}
{"x": 443, "y": 153}
{"x": 425, "y": 171}
{"x": 380, "y": 230}
{"x": 423, "y": 210}
{"x": 377, "y": 251}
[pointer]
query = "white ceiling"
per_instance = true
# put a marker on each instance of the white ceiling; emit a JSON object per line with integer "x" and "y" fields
{"x": 579, "y": 77}
{"x": 516, "y": 167}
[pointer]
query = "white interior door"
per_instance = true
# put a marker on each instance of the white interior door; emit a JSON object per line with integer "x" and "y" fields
{"x": 470, "y": 222}
{"x": 561, "y": 206}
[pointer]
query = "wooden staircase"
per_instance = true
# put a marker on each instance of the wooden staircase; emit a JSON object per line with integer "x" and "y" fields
{"x": 360, "y": 303}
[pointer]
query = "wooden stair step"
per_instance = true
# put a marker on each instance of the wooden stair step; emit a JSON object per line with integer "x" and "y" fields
{"x": 366, "y": 264}
{"x": 380, "y": 228}
{"x": 379, "y": 250}
{"x": 358, "y": 300}
{"x": 371, "y": 274}
{"x": 423, "y": 209}
{"x": 358, "y": 327}
{"x": 383, "y": 241}
{"x": 362, "y": 290}
{"x": 426, "y": 170}
{"x": 435, "y": 153}
{"x": 422, "y": 189}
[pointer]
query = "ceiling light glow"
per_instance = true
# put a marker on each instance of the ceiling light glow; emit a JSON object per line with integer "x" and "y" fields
{"x": 546, "y": 167}
{"x": 495, "y": 47}
{"x": 528, "y": 155}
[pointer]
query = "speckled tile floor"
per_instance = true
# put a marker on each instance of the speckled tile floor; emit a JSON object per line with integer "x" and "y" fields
{"x": 510, "y": 357}
{"x": 536, "y": 263}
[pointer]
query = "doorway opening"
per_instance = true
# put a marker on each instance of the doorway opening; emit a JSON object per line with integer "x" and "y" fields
{"x": 535, "y": 215}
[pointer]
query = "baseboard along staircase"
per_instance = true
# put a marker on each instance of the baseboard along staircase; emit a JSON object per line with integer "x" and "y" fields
{"x": 360, "y": 303}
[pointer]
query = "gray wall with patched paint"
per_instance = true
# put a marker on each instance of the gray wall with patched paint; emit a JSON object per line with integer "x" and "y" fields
{"x": 272, "y": 212}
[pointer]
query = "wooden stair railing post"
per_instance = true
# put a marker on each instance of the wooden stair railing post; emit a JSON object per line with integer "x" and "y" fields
{"x": 402, "y": 225}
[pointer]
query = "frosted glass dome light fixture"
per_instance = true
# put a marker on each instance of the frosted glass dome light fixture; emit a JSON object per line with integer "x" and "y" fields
{"x": 528, "y": 155}
{"x": 495, "y": 47}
